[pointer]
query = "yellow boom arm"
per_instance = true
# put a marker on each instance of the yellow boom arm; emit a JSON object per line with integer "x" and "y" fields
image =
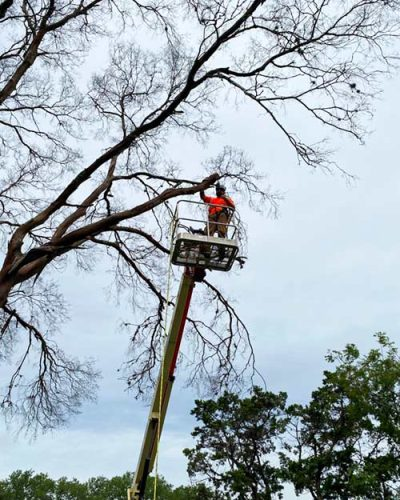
{"x": 162, "y": 394}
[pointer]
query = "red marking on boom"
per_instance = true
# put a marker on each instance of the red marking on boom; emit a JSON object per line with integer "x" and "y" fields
{"x": 180, "y": 331}
{"x": 175, "y": 356}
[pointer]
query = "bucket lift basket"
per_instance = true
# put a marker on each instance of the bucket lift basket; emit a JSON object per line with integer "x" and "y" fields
{"x": 192, "y": 243}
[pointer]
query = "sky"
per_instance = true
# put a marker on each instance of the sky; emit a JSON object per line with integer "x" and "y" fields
{"x": 324, "y": 273}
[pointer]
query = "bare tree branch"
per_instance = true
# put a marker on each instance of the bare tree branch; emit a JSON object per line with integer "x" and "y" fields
{"x": 85, "y": 168}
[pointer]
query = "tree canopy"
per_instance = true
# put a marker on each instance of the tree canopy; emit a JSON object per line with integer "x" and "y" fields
{"x": 347, "y": 439}
{"x": 236, "y": 442}
{"x": 345, "y": 443}
{"x": 85, "y": 171}
{"x": 27, "y": 484}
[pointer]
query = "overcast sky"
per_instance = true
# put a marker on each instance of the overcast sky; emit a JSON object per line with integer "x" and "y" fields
{"x": 324, "y": 273}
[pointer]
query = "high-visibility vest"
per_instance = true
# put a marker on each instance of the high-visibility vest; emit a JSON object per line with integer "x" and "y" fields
{"x": 220, "y": 202}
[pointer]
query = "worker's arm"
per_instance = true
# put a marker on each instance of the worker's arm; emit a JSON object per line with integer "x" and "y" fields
{"x": 205, "y": 198}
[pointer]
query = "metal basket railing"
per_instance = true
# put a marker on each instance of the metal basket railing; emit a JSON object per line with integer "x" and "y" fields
{"x": 195, "y": 223}
{"x": 194, "y": 245}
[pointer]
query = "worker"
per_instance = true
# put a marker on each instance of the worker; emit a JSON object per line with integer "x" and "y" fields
{"x": 219, "y": 211}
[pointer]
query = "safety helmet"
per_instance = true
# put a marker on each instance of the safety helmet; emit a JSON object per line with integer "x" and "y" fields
{"x": 220, "y": 188}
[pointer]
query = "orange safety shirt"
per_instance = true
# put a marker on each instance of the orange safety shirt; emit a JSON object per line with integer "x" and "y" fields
{"x": 220, "y": 202}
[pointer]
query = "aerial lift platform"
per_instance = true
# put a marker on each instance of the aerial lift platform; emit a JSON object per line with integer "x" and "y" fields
{"x": 195, "y": 249}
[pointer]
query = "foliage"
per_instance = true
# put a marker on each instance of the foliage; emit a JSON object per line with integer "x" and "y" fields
{"x": 194, "y": 492}
{"x": 345, "y": 443}
{"x": 27, "y": 485}
{"x": 235, "y": 444}
{"x": 166, "y": 491}
{"x": 40, "y": 487}
{"x": 70, "y": 489}
{"x": 100, "y": 488}
{"x": 347, "y": 439}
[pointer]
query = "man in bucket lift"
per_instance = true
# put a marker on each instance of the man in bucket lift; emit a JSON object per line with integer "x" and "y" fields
{"x": 219, "y": 211}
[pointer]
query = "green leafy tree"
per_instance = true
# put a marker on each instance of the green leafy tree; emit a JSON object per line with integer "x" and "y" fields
{"x": 347, "y": 439}
{"x": 67, "y": 489}
{"x": 101, "y": 488}
{"x": 164, "y": 489}
{"x": 195, "y": 492}
{"x": 26, "y": 484}
{"x": 235, "y": 444}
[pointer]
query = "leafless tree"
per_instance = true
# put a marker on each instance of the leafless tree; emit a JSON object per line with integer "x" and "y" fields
{"x": 321, "y": 57}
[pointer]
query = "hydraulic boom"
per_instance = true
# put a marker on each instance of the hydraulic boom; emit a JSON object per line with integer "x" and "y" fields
{"x": 197, "y": 250}
{"x": 162, "y": 394}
